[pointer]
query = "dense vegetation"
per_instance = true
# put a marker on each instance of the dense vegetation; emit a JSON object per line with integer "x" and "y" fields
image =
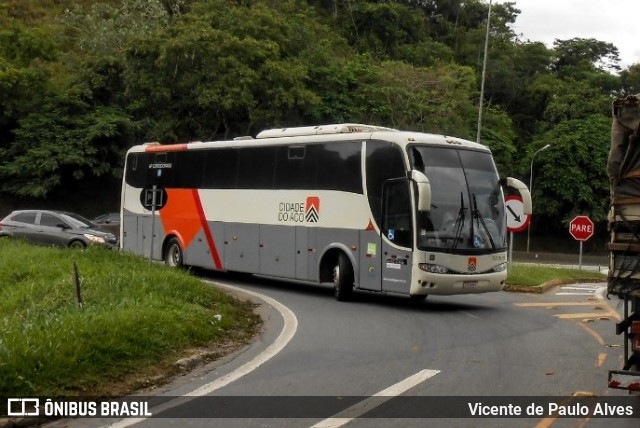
{"x": 83, "y": 80}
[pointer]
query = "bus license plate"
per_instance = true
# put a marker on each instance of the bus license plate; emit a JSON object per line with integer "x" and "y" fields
{"x": 469, "y": 284}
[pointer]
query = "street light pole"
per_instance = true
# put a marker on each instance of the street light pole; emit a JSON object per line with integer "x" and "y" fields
{"x": 484, "y": 72}
{"x": 531, "y": 188}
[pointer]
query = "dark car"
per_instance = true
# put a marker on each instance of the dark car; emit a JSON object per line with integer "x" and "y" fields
{"x": 56, "y": 228}
{"x": 108, "y": 221}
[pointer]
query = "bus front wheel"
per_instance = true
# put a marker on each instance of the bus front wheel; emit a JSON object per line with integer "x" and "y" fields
{"x": 342, "y": 278}
{"x": 173, "y": 253}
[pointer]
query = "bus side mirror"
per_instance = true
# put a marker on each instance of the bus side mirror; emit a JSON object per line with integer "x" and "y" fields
{"x": 524, "y": 192}
{"x": 424, "y": 190}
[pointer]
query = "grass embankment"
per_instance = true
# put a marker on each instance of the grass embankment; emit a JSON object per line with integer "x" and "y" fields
{"x": 536, "y": 278}
{"x": 136, "y": 320}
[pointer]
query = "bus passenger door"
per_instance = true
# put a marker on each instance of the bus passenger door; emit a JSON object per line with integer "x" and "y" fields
{"x": 397, "y": 239}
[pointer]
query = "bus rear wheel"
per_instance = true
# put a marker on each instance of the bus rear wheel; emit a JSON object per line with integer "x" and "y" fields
{"x": 173, "y": 253}
{"x": 343, "y": 279}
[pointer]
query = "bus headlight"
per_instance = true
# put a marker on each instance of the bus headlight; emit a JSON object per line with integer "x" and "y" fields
{"x": 94, "y": 238}
{"x": 500, "y": 268}
{"x": 431, "y": 268}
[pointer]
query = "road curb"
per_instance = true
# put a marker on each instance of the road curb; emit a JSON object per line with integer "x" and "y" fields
{"x": 539, "y": 289}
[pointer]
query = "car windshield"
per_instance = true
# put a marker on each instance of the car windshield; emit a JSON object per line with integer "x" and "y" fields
{"x": 76, "y": 221}
{"x": 467, "y": 208}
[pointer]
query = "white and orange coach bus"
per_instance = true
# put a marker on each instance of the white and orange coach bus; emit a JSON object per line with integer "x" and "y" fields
{"x": 358, "y": 206}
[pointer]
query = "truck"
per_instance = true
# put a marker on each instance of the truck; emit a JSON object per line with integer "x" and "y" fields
{"x": 623, "y": 281}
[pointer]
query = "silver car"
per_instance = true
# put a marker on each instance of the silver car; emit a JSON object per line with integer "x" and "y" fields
{"x": 57, "y": 228}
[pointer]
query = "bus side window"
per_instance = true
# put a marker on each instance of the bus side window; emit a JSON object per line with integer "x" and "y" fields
{"x": 189, "y": 169}
{"x": 256, "y": 167}
{"x": 137, "y": 169}
{"x": 296, "y": 167}
{"x": 339, "y": 167}
{"x": 396, "y": 220}
{"x": 221, "y": 169}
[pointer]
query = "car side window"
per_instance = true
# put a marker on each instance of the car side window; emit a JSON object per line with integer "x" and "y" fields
{"x": 28, "y": 218}
{"x": 49, "y": 220}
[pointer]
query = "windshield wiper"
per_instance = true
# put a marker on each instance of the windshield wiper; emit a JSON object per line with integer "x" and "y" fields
{"x": 477, "y": 216}
{"x": 459, "y": 224}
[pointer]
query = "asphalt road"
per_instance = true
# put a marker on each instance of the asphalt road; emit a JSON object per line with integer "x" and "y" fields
{"x": 441, "y": 355}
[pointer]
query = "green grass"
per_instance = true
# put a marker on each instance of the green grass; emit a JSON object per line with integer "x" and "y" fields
{"x": 527, "y": 277}
{"x": 137, "y": 318}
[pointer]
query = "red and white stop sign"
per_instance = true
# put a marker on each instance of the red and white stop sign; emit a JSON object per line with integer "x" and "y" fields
{"x": 581, "y": 228}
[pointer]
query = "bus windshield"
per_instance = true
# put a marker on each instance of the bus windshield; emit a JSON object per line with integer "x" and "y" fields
{"x": 467, "y": 208}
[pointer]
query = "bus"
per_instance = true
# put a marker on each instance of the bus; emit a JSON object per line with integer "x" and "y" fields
{"x": 352, "y": 205}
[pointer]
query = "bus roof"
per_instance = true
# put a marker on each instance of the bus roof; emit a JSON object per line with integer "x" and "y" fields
{"x": 340, "y": 128}
{"x": 320, "y": 134}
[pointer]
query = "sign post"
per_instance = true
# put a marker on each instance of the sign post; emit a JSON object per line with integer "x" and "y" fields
{"x": 517, "y": 220}
{"x": 581, "y": 228}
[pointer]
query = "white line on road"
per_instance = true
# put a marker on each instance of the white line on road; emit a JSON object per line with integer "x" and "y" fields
{"x": 469, "y": 314}
{"x": 287, "y": 333}
{"x": 376, "y": 400}
{"x": 578, "y": 290}
{"x": 574, "y": 294}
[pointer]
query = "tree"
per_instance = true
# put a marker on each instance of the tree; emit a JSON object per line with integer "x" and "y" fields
{"x": 630, "y": 80}
{"x": 575, "y": 54}
{"x": 222, "y": 71}
{"x": 572, "y": 175}
{"x": 26, "y": 56}
{"x": 65, "y": 141}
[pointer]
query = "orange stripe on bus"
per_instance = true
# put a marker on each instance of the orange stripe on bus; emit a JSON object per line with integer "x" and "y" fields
{"x": 184, "y": 216}
{"x": 165, "y": 148}
{"x": 180, "y": 214}
{"x": 207, "y": 231}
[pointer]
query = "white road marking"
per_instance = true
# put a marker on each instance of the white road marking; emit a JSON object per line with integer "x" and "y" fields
{"x": 574, "y": 294}
{"x": 287, "y": 333}
{"x": 376, "y": 400}
{"x": 578, "y": 290}
{"x": 469, "y": 314}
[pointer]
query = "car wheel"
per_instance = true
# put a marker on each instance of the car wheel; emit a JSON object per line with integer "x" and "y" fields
{"x": 77, "y": 244}
{"x": 343, "y": 278}
{"x": 173, "y": 253}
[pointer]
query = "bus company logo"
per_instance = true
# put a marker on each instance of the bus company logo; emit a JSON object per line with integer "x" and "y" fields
{"x": 300, "y": 212}
{"x": 472, "y": 264}
{"x": 312, "y": 209}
